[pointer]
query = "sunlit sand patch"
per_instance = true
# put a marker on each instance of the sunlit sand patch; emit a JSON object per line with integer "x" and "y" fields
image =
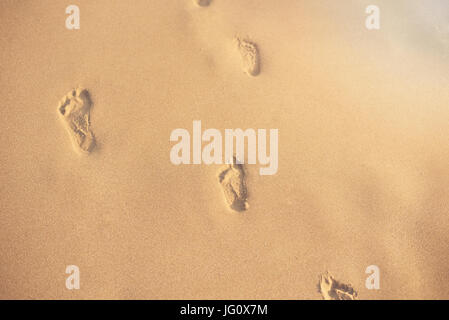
{"x": 332, "y": 289}
{"x": 232, "y": 179}
{"x": 74, "y": 109}
{"x": 250, "y": 56}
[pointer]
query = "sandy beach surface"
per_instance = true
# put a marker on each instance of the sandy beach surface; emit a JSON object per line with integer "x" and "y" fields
{"x": 363, "y": 153}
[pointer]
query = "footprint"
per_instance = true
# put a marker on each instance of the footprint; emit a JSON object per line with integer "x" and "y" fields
{"x": 250, "y": 56}
{"x": 332, "y": 289}
{"x": 202, "y": 3}
{"x": 232, "y": 178}
{"x": 74, "y": 109}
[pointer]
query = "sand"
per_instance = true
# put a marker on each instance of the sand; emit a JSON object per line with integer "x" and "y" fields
{"x": 363, "y": 175}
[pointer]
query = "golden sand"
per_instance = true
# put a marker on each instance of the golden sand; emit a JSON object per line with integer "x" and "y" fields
{"x": 363, "y": 174}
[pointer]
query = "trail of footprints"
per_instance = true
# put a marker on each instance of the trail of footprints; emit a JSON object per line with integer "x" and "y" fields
{"x": 74, "y": 107}
{"x": 74, "y": 110}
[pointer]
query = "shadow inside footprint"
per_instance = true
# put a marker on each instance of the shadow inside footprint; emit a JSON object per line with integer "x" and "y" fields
{"x": 74, "y": 109}
{"x": 332, "y": 289}
{"x": 232, "y": 179}
{"x": 202, "y": 3}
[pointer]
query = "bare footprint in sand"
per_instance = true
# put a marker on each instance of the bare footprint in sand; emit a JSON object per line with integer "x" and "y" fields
{"x": 332, "y": 289}
{"x": 202, "y": 3}
{"x": 74, "y": 110}
{"x": 250, "y": 56}
{"x": 232, "y": 178}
